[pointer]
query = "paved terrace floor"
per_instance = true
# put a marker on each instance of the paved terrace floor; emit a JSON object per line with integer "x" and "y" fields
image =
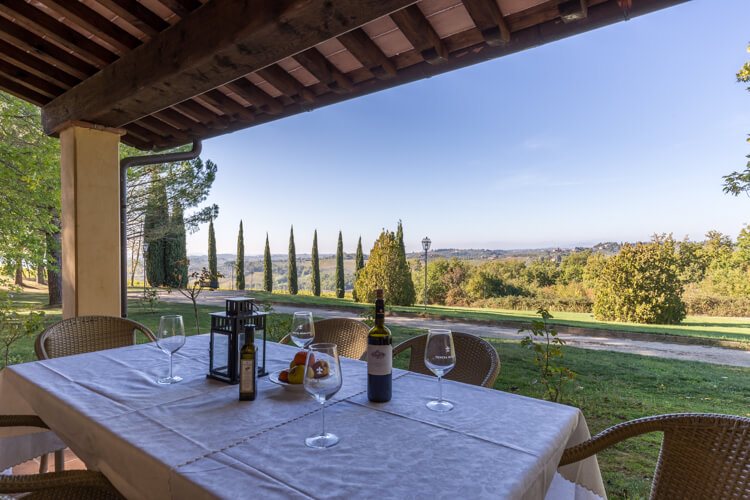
{"x": 593, "y": 340}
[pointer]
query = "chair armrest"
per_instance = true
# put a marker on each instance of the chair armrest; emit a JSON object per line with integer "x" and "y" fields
{"x": 22, "y": 421}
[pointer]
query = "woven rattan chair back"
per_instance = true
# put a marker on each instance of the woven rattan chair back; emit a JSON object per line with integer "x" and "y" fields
{"x": 477, "y": 361}
{"x": 350, "y": 335}
{"x": 65, "y": 485}
{"x": 88, "y": 334}
{"x": 703, "y": 456}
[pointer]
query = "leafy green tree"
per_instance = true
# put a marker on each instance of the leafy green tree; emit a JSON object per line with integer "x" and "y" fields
{"x": 292, "y": 269}
{"x": 692, "y": 261}
{"x": 340, "y": 268}
{"x": 359, "y": 263}
{"x": 739, "y": 182}
{"x": 594, "y": 266}
{"x": 267, "y": 268}
{"x": 175, "y": 252}
{"x": 446, "y": 281}
{"x": 213, "y": 265}
{"x": 155, "y": 232}
{"x": 387, "y": 270}
{"x": 641, "y": 284}
{"x": 541, "y": 273}
{"x": 315, "y": 266}
{"x": 240, "y": 262}
{"x": 572, "y": 266}
{"x": 15, "y": 324}
{"x": 717, "y": 249}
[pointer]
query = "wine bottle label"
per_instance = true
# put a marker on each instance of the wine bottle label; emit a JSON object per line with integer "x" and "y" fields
{"x": 247, "y": 373}
{"x": 379, "y": 359}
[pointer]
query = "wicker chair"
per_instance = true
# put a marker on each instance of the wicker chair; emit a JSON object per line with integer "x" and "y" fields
{"x": 348, "y": 334}
{"x": 74, "y": 485}
{"x": 477, "y": 361}
{"x": 703, "y": 456}
{"x": 87, "y": 334}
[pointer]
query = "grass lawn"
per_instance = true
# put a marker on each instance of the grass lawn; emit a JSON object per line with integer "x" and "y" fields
{"x": 610, "y": 388}
{"x": 716, "y": 328}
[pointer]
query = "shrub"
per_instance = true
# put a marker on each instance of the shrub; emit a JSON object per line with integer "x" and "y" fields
{"x": 386, "y": 269}
{"x": 641, "y": 284}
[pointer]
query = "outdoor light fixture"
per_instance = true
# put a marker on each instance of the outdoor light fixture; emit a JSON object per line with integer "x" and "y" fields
{"x": 426, "y": 245}
{"x": 228, "y": 337}
{"x": 145, "y": 249}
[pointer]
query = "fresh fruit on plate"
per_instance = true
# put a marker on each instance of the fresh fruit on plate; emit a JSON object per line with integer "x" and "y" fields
{"x": 297, "y": 374}
{"x": 321, "y": 368}
{"x": 299, "y": 359}
{"x": 284, "y": 376}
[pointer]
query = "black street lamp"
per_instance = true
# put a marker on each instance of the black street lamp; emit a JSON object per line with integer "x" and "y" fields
{"x": 426, "y": 245}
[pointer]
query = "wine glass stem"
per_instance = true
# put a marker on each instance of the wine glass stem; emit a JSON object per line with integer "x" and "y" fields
{"x": 440, "y": 389}
{"x": 323, "y": 413}
{"x": 170, "y": 365}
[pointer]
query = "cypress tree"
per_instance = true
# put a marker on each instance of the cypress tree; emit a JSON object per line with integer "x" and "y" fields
{"x": 359, "y": 263}
{"x": 175, "y": 252}
{"x": 315, "y": 266}
{"x": 240, "y": 264}
{"x": 340, "y": 268}
{"x": 400, "y": 238}
{"x": 267, "y": 268}
{"x": 213, "y": 266}
{"x": 155, "y": 226}
{"x": 407, "y": 295}
{"x": 292, "y": 270}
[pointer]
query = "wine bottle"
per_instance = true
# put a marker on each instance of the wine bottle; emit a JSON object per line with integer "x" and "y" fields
{"x": 248, "y": 372}
{"x": 379, "y": 355}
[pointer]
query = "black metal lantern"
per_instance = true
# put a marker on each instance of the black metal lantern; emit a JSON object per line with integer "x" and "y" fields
{"x": 228, "y": 337}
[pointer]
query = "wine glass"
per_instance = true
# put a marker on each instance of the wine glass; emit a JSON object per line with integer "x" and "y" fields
{"x": 303, "y": 329}
{"x": 170, "y": 337}
{"x": 323, "y": 360}
{"x": 440, "y": 358}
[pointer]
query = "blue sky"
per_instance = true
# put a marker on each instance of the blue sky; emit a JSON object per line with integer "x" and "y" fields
{"x": 611, "y": 135}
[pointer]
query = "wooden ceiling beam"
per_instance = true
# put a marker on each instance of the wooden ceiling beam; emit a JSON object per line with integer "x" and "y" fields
{"x": 35, "y": 20}
{"x": 29, "y": 80}
{"x": 420, "y": 33}
{"x": 573, "y": 10}
{"x": 323, "y": 70}
{"x": 201, "y": 114}
{"x": 368, "y": 53}
{"x": 257, "y": 97}
{"x": 138, "y": 137}
{"x": 162, "y": 129}
{"x": 489, "y": 20}
{"x": 217, "y": 99}
{"x": 45, "y": 51}
{"x": 181, "y": 122}
{"x": 37, "y": 67}
{"x": 181, "y": 8}
{"x": 286, "y": 83}
{"x": 22, "y": 92}
{"x": 217, "y": 43}
{"x": 136, "y": 15}
{"x": 92, "y": 21}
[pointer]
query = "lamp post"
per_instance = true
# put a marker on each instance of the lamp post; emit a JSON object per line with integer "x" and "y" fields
{"x": 145, "y": 249}
{"x": 426, "y": 245}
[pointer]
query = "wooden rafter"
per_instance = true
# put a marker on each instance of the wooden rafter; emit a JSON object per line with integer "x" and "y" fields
{"x": 237, "y": 38}
{"x": 200, "y": 114}
{"x": 181, "y": 122}
{"x": 35, "y": 20}
{"x": 363, "y": 48}
{"x": 489, "y": 20}
{"x": 255, "y": 96}
{"x": 421, "y": 34}
{"x": 181, "y": 8}
{"x": 230, "y": 106}
{"x": 22, "y": 91}
{"x": 37, "y": 67}
{"x": 136, "y": 15}
{"x": 29, "y": 80}
{"x": 324, "y": 71}
{"x": 286, "y": 83}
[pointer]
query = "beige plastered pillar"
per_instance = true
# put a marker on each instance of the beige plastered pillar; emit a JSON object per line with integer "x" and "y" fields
{"x": 90, "y": 189}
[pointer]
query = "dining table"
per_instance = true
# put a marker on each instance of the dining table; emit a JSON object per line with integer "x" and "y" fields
{"x": 195, "y": 439}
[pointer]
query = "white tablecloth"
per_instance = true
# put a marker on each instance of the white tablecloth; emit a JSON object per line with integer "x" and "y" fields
{"x": 196, "y": 440}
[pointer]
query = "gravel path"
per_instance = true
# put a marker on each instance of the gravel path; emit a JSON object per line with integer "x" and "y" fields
{"x": 594, "y": 340}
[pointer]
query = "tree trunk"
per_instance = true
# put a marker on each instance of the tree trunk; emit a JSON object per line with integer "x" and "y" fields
{"x": 19, "y": 275}
{"x": 40, "y": 275}
{"x": 135, "y": 258}
{"x": 54, "y": 266}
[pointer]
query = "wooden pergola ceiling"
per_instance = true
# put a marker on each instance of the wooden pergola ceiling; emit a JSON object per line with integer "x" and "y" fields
{"x": 169, "y": 71}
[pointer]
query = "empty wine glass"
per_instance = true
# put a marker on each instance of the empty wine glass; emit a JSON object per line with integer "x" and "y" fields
{"x": 440, "y": 358}
{"x": 170, "y": 338}
{"x": 323, "y": 360}
{"x": 303, "y": 329}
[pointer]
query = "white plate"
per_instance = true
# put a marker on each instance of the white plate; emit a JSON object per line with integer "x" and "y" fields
{"x": 274, "y": 377}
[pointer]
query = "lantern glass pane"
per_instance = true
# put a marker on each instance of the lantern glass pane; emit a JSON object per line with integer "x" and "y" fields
{"x": 220, "y": 353}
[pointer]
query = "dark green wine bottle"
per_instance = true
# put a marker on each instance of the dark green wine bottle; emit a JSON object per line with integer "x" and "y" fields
{"x": 248, "y": 370}
{"x": 379, "y": 355}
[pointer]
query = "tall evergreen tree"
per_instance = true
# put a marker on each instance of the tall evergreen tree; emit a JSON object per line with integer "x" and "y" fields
{"x": 359, "y": 263}
{"x": 340, "y": 268}
{"x": 213, "y": 265}
{"x": 175, "y": 251}
{"x": 403, "y": 269}
{"x": 400, "y": 238}
{"x": 387, "y": 270}
{"x": 155, "y": 231}
{"x": 267, "y": 268}
{"x": 292, "y": 271}
{"x": 315, "y": 266}
{"x": 240, "y": 262}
